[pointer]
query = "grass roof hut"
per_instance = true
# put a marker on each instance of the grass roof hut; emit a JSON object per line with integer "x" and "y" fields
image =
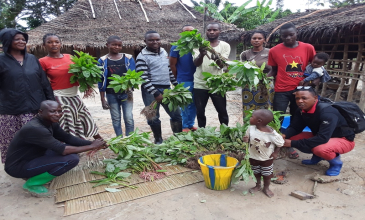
{"x": 90, "y": 22}
{"x": 340, "y": 32}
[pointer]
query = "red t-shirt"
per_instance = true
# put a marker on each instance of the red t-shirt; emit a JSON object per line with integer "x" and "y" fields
{"x": 291, "y": 63}
{"x": 57, "y": 71}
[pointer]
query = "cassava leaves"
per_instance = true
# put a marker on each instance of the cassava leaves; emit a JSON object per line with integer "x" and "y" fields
{"x": 177, "y": 97}
{"x": 131, "y": 79}
{"x": 221, "y": 83}
{"x": 84, "y": 70}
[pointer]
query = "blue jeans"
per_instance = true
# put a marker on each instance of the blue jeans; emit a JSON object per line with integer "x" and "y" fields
{"x": 148, "y": 99}
{"x": 189, "y": 113}
{"x": 115, "y": 101}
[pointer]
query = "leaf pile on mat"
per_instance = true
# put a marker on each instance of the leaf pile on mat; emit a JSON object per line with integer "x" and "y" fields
{"x": 136, "y": 152}
{"x": 85, "y": 72}
{"x": 174, "y": 98}
{"x": 191, "y": 40}
{"x": 221, "y": 83}
{"x": 130, "y": 80}
{"x": 113, "y": 174}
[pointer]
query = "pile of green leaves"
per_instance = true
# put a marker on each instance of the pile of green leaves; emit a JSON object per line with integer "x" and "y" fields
{"x": 221, "y": 83}
{"x": 84, "y": 70}
{"x": 177, "y": 97}
{"x": 113, "y": 174}
{"x": 189, "y": 41}
{"x": 131, "y": 79}
{"x": 135, "y": 152}
{"x": 248, "y": 74}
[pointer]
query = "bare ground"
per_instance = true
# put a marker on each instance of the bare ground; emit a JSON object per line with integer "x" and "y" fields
{"x": 337, "y": 200}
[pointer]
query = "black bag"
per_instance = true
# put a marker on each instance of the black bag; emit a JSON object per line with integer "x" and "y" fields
{"x": 351, "y": 112}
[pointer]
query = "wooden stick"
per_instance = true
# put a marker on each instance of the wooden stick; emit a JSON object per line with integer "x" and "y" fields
{"x": 186, "y": 9}
{"x": 92, "y": 9}
{"x": 144, "y": 12}
{"x": 116, "y": 6}
{"x": 315, "y": 188}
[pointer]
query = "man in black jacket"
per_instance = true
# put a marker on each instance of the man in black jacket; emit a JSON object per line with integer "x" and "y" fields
{"x": 330, "y": 136}
{"x": 41, "y": 150}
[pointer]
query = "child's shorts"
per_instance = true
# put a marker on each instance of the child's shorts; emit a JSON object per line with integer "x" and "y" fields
{"x": 264, "y": 168}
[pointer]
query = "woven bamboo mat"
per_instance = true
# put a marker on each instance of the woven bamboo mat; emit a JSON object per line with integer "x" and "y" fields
{"x": 86, "y": 189}
{"x": 144, "y": 189}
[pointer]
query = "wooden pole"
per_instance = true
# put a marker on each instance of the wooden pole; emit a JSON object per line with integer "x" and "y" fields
{"x": 92, "y": 9}
{"x": 332, "y": 55}
{"x": 356, "y": 69}
{"x": 344, "y": 68}
{"x": 144, "y": 12}
{"x": 116, "y": 6}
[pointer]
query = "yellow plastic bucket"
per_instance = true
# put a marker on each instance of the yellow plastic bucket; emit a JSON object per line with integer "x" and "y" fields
{"x": 217, "y": 170}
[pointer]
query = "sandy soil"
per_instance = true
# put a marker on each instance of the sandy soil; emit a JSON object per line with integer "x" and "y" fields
{"x": 337, "y": 200}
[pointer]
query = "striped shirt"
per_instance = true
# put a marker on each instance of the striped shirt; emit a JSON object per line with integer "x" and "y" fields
{"x": 156, "y": 70}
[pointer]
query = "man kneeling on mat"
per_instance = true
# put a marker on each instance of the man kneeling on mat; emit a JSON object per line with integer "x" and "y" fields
{"x": 330, "y": 135}
{"x": 41, "y": 150}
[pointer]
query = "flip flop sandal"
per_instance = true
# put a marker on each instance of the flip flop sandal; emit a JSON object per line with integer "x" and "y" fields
{"x": 280, "y": 178}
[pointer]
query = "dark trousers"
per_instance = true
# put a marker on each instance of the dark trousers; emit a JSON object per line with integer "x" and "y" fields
{"x": 282, "y": 100}
{"x": 201, "y": 97}
{"x": 52, "y": 162}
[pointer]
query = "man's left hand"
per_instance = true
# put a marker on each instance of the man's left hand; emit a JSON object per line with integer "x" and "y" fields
{"x": 287, "y": 143}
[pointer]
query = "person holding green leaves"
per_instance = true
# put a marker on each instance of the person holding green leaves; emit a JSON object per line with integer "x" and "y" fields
{"x": 41, "y": 150}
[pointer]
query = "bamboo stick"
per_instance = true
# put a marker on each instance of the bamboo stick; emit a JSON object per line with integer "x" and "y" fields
{"x": 324, "y": 87}
{"x": 92, "y": 9}
{"x": 144, "y": 12}
{"x": 186, "y": 9}
{"x": 116, "y": 6}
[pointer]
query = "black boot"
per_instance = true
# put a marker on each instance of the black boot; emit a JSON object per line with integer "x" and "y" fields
{"x": 176, "y": 126}
{"x": 156, "y": 129}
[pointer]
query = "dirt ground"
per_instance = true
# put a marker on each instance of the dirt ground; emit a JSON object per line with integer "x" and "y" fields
{"x": 337, "y": 200}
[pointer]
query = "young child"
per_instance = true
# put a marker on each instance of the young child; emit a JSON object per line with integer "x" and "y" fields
{"x": 116, "y": 63}
{"x": 316, "y": 70}
{"x": 264, "y": 147}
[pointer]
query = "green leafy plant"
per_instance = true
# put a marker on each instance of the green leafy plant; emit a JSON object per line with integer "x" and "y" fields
{"x": 248, "y": 74}
{"x": 85, "y": 72}
{"x": 191, "y": 40}
{"x": 221, "y": 83}
{"x": 174, "y": 98}
{"x": 177, "y": 97}
{"x": 131, "y": 79}
{"x": 113, "y": 174}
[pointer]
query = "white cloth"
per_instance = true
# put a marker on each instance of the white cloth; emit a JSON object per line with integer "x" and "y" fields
{"x": 70, "y": 92}
{"x": 318, "y": 70}
{"x": 262, "y": 144}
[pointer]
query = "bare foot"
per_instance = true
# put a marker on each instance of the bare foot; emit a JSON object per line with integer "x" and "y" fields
{"x": 255, "y": 189}
{"x": 268, "y": 192}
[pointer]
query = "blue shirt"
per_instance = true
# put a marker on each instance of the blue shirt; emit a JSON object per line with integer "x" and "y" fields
{"x": 185, "y": 66}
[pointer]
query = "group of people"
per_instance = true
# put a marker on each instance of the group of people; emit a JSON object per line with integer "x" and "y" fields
{"x": 37, "y": 98}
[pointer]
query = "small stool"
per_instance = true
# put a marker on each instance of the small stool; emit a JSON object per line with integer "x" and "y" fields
{"x": 286, "y": 123}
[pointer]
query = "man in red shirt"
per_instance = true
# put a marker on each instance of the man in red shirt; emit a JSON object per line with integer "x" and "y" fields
{"x": 288, "y": 61}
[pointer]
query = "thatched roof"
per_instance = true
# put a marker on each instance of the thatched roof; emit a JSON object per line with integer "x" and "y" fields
{"x": 317, "y": 26}
{"x": 78, "y": 28}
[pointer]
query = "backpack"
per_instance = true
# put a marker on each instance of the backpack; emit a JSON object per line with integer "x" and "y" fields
{"x": 354, "y": 116}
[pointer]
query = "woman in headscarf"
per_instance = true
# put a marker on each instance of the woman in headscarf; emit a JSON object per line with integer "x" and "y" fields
{"x": 260, "y": 98}
{"x": 23, "y": 86}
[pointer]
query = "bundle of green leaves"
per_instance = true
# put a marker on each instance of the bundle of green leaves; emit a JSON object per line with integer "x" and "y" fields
{"x": 85, "y": 72}
{"x": 177, "y": 97}
{"x": 248, "y": 74}
{"x": 221, "y": 83}
{"x": 131, "y": 79}
{"x": 191, "y": 40}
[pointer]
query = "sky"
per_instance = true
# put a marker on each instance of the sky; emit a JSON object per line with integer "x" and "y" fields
{"x": 293, "y": 5}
